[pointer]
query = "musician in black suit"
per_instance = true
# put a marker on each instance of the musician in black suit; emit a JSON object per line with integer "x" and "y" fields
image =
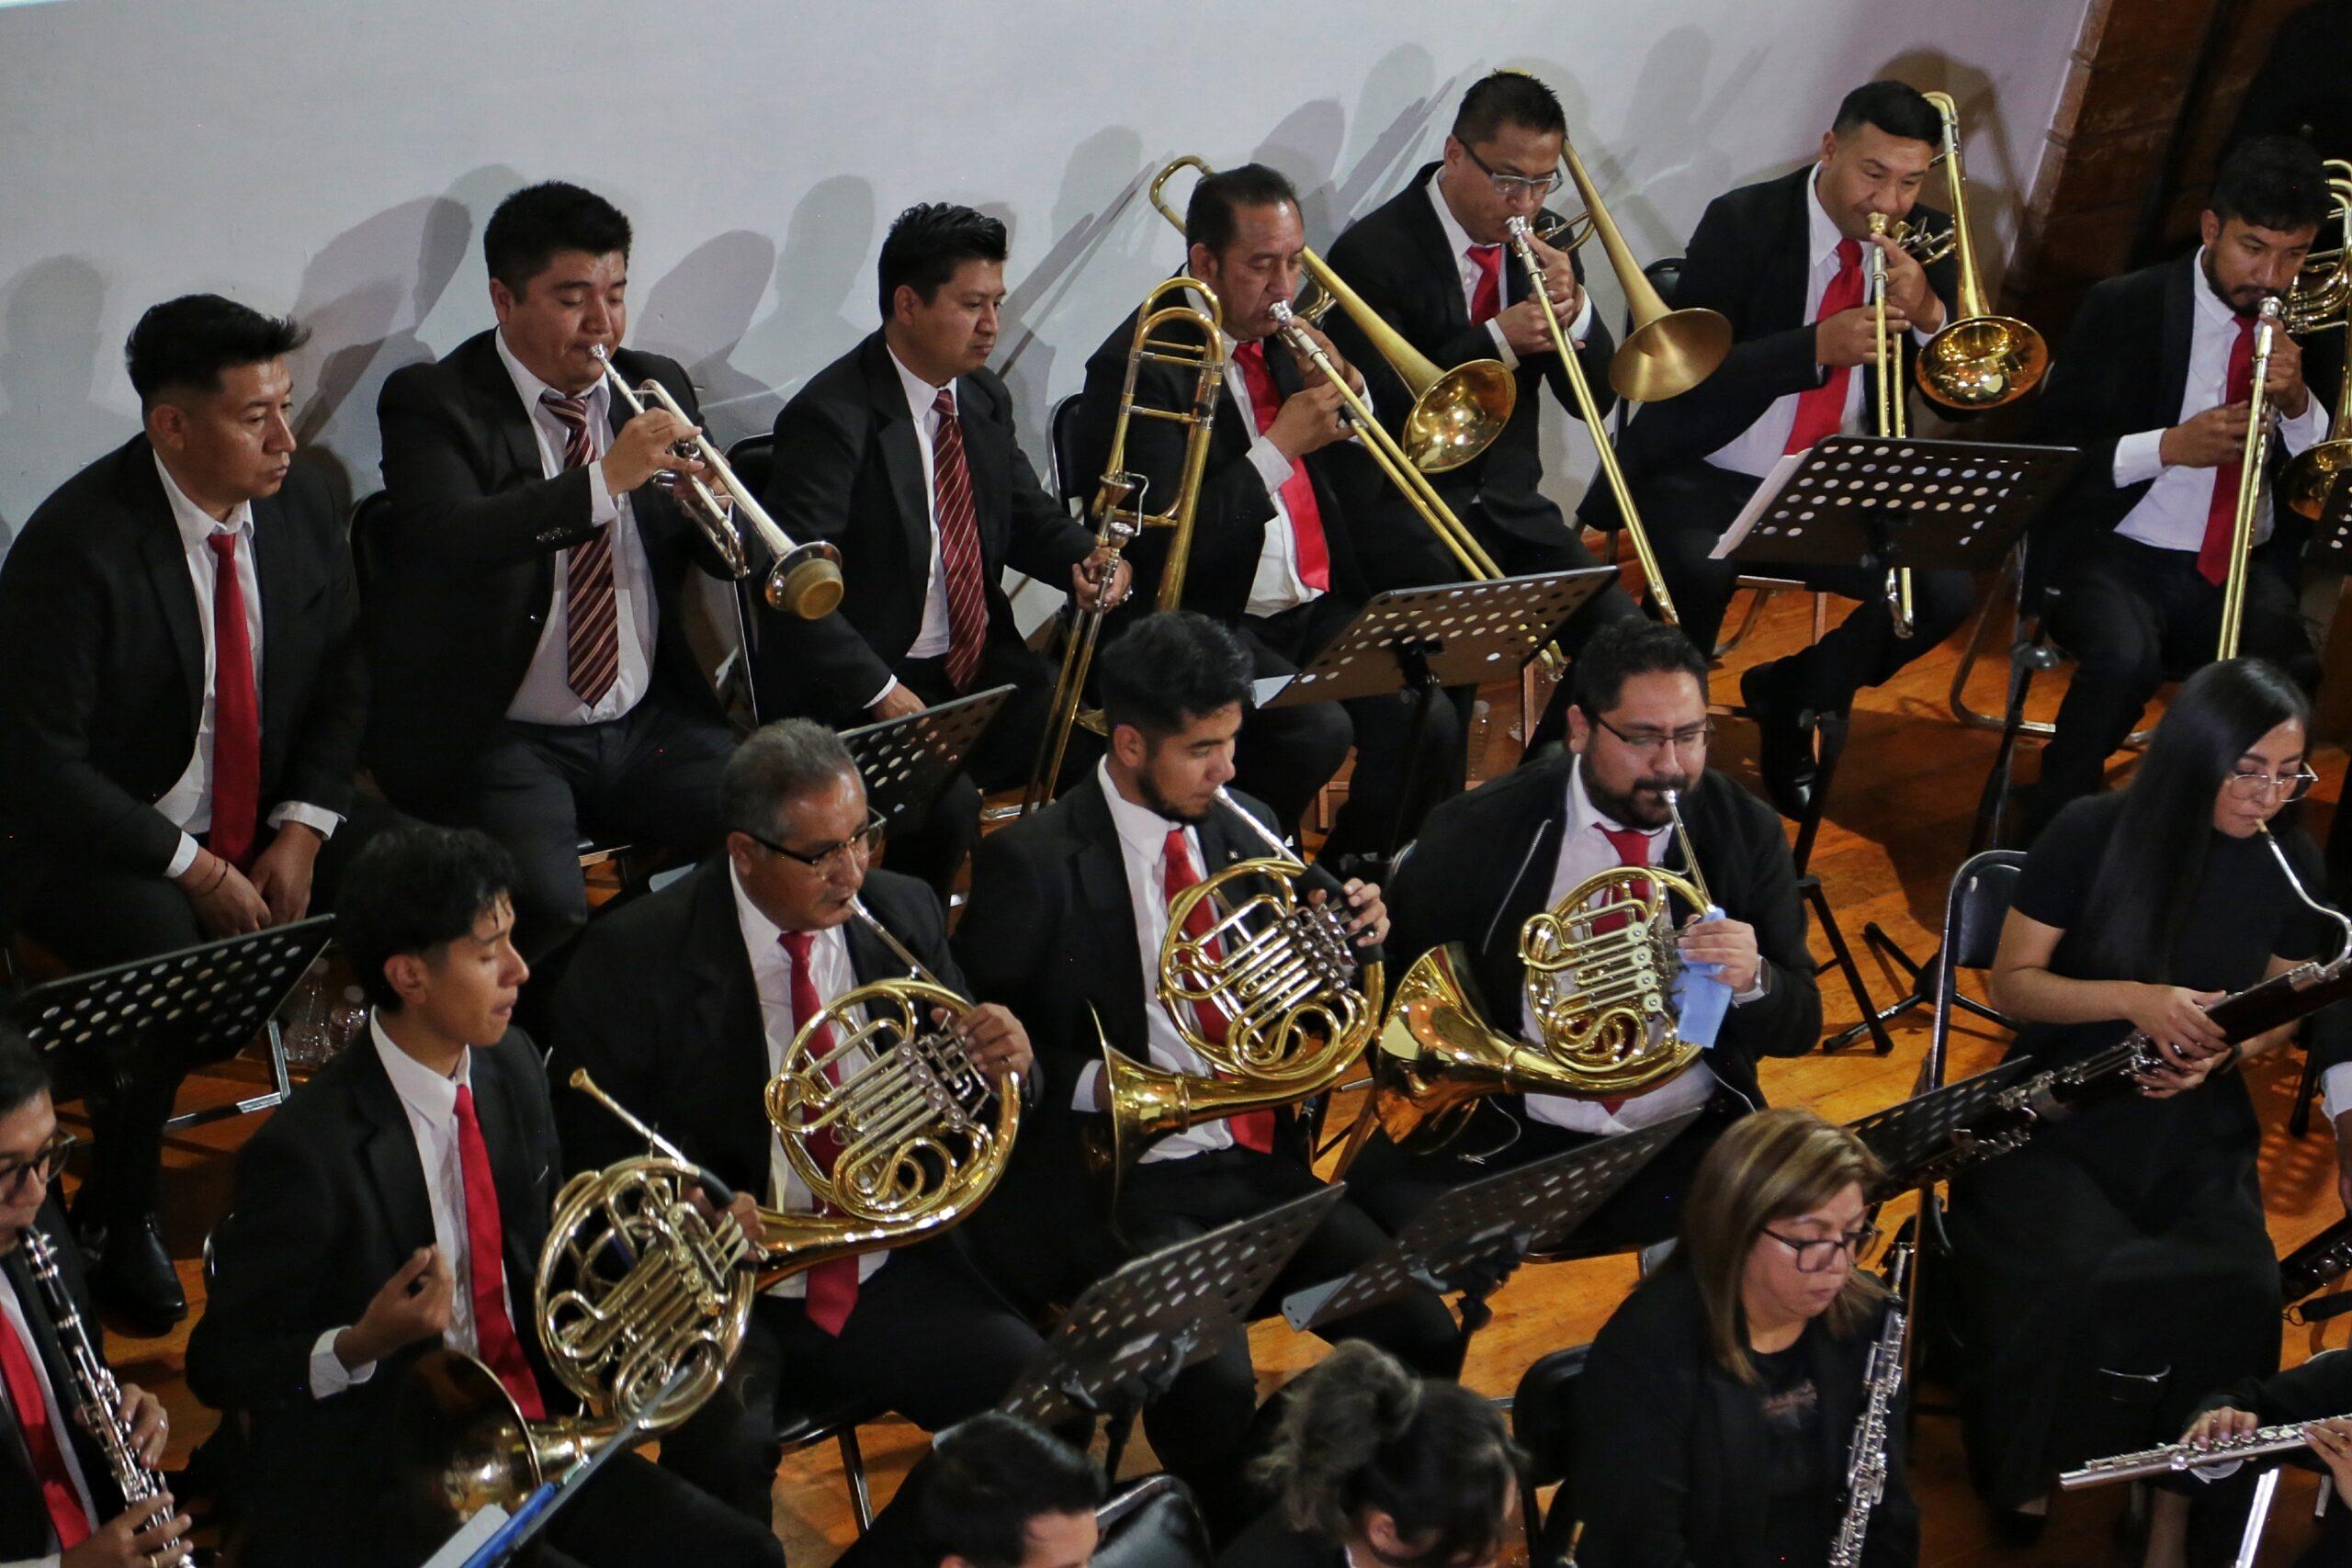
{"x": 361, "y": 1237}
{"x": 181, "y": 694}
{"x": 1068, "y": 914}
{"x": 1784, "y": 261}
{"x": 685, "y": 1005}
{"x": 60, "y": 1507}
{"x": 2153, "y": 384}
{"x": 525, "y": 623}
{"x": 1518, "y": 844}
{"x": 2316, "y": 1393}
{"x": 1284, "y": 514}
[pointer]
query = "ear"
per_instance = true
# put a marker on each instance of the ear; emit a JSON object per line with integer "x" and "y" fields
{"x": 1380, "y": 1531}
{"x": 166, "y": 425}
{"x": 409, "y": 975}
{"x": 1829, "y": 145}
{"x": 904, "y": 302}
{"x": 2208, "y": 229}
{"x": 1201, "y": 262}
{"x": 1579, "y": 729}
{"x": 503, "y": 301}
{"x": 1127, "y": 744}
{"x": 1453, "y": 152}
{"x": 740, "y": 850}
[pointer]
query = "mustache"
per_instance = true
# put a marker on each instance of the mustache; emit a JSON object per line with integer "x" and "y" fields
{"x": 1659, "y": 783}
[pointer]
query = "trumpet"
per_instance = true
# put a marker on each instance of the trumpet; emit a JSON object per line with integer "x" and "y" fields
{"x": 1118, "y": 508}
{"x": 1979, "y": 359}
{"x": 1887, "y": 392}
{"x": 805, "y": 579}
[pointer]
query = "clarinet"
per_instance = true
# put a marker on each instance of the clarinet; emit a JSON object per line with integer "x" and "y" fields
{"x": 95, "y": 1389}
{"x": 2174, "y": 1458}
{"x": 2311, "y": 1268}
{"x": 1866, "y": 1466}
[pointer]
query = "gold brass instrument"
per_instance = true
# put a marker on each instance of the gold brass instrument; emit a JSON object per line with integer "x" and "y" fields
{"x": 2252, "y": 458}
{"x": 1979, "y": 360}
{"x": 806, "y": 579}
{"x": 1119, "y": 513}
{"x": 2319, "y": 301}
{"x": 1281, "y": 971}
{"x": 1888, "y": 395}
{"x": 1668, "y": 352}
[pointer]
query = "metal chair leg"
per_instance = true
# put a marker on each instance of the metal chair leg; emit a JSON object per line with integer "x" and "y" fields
{"x": 861, "y": 1497}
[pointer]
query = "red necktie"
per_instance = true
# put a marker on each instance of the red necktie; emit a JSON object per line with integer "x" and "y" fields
{"x": 2221, "y": 512}
{"x": 1299, "y": 490}
{"x": 1251, "y": 1129}
{"x": 1633, "y": 846}
{"x": 1486, "y": 300}
{"x": 486, "y": 1266}
{"x": 832, "y": 1285}
{"x": 591, "y": 638}
{"x": 1822, "y": 410}
{"x": 960, "y": 546}
{"x": 236, "y": 713}
{"x": 42, "y": 1439}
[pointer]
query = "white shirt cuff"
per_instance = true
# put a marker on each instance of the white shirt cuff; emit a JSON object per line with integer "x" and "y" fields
{"x": 1755, "y": 987}
{"x": 1582, "y": 326}
{"x": 1082, "y": 1096}
{"x": 1503, "y": 350}
{"x": 887, "y": 687}
{"x": 1271, "y": 465}
{"x": 182, "y": 858}
{"x": 329, "y": 1376}
{"x": 602, "y": 508}
{"x": 2139, "y": 458}
{"x": 308, "y": 815}
{"x": 2335, "y": 1090}
{"x": 2296, "y": 434}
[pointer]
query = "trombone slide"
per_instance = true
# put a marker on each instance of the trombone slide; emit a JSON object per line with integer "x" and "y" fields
{"x": 1894, "y": 422}
{"x": 2251, "y": 459}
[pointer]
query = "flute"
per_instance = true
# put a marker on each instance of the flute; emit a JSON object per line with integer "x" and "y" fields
{"x": 2174, "y": 1458}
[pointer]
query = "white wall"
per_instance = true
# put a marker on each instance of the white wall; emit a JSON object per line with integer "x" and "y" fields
{"x": 337, "y": 161}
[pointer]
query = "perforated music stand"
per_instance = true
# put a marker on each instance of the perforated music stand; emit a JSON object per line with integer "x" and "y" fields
{"x": 2332, "y": 529}
{"x": 204, "y": 1002}
{"x": 1883, "y": 503}
{"x": 1925, "y": 1137}
{"x": 906, "y": 761}
{"x": 1471, "y": 1237}
{"x": 1133, "y": 1329}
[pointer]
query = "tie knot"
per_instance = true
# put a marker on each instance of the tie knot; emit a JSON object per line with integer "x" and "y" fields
{"x": 1176, "y": 849}
{"x": 943, "y": 405}
{"x": 1487, "y": 256}
{"x": 796, "y": 944}
{"x": 1849, "y": 255}
{"x": 1250, "y": 353}
{"x": 223, "y": 542}
{"x": 572, "y": 412}
{"x": 465, "y": 1103}
{"x": 1632, "y": 845}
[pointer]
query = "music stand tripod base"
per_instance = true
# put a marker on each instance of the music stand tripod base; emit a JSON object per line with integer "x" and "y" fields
{"x": 906, "y": 761}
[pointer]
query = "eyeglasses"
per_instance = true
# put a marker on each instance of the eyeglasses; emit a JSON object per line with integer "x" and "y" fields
{"x": 2254, "y": 786}
{"x": 49, "y": 1162}
{"x": 1692, "y": 739}
{"x": 1513, "y": 185}
{"x": 1818, "y": 1255}
{"x": 860, "y": 845}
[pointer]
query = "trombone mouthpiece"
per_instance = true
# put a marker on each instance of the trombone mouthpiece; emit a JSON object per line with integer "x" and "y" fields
{"x": 1517, "y": 225}
{"x": 596, "y": 351}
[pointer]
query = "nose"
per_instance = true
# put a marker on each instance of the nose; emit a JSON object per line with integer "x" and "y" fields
{"x": 990, "y": 315}
{"x": 1287, "y": 280}
{"x": 279, "y": 436}
{"x": 516, "y": 970}
{"x": 596, "y": 318}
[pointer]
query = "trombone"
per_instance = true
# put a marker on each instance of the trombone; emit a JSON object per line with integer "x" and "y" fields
{"x": 1118, "y": 499}
{"x": 806, "y": 579}
{"x": 2316, "y": 306}
{"x": 1888, "y": 397}
{"x": 2251, "y": 459}
{"x": 1979, "y": 359}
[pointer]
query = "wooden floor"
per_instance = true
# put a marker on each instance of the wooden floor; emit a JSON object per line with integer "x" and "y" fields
{"x": 1898, "y": 825}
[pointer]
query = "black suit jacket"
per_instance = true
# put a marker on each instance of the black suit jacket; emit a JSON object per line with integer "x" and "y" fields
{"x": 1671, "y": 1450}
{"x": 329, "y": 1202}
{"x": 462, "y": 575}
{"x": 1397, "y": 257}
{"x": 102, "y": 661}
{"x": 1484, "y": 865}
{"x": 1271, "y": 1541}
{"x": 1750, "y": 258}
{"x": 848, "y": 469}
{"x": 24, "y": 1518}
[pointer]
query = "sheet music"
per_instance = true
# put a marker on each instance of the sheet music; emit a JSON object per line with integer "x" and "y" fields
{"x": 1758, "y": 504}
{"x": 1266, "y": 688}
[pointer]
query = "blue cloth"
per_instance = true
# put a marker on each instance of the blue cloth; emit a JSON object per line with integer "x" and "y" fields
{"x": 1701, "y": 999}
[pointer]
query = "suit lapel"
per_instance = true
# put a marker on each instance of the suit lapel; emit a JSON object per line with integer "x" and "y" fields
{"x": 728, "y": 1019}
{"x": 166, "y": 559}
{"x": 2177, "y": 331}
{"x": 388, "y": 1152}
{"x": 279, "y": 584}
{"x": 1788, "y": 265}
{"x": 1421, "y": 219}
{"x": 894, "y": 431}
{"x": 501, "y": 409}
{"x": 1108, "y": 911}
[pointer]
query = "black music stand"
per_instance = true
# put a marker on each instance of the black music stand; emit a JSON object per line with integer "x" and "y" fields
{"x": 1470, "y": 1239}
{"x": 1883, "y": 503}
{"x": 906, "y": 761}
{"x": 1917, "y": 1135}
{"x": 1133, "y": 1330}
{"x": 206, "y": 1000}
{"x": 1424, "y": 639}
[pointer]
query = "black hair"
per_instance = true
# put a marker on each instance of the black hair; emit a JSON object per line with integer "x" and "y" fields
{"x": 2272, "y": 182}
{"x": 1627, "y": 647}
{"x": 1508, "y": 98}
{"x": 1361, "y": 1434}
{"x": 777, "y": 763}
{"x": 413, "y": 890}
{"x": 183, "y": 345}
{"x": 537, "y": 222}
{"x": 1170, "y": 669}
{"x": 986, "y": 1478}
{"x": 1896, "y": 107}
{"x": 2162, "y": 835}
{"x": 23, "y": 1072}
{"x": 1210, "y": 218}
{"x": 928, "y": 243}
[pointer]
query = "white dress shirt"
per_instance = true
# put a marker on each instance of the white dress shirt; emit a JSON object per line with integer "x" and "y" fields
{"x": 930, "y": 638}
{"x": 830, "y": 969}
{"x": 546, "y": 695}
{"x": 13, "y": 1311}
{"x": 431, "y": 1102}
{"x": 188, "y": 805}
{"x": 1458, "y": 242}
{"x": 2171, "y": 516}
{"x": 1276, "y": 585}
{"x": 1143, "y": 851}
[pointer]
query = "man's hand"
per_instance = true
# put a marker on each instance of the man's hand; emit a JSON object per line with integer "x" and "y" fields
{"x": 1850, "y": 338}
{"x": 995, "y": 1041}
{"x": 2223, "y": 1422}
{"x": 146, "y": 1535}
{"x": 282, "y": 873}
{"x": 1523, "y": 324}
{"x": 895, "y": 703}
{"x": 1368, "y": 914}
{"x": 1907, "y": 291}
{"x": 2331, "y": 1440}
{"x": 226, "y": 903}
{"x": 646, "y": 447}
{"x": 150, "y": 1426}
{"x": 1731, "y": 944}
{"x": 1315, "y": 377}
{"x": 2206, "y": 440}
{"x": 2285, "y": 382}
{"x": 412, "y": 1305}
{"x": 1311, "y": 420}
{"x": 1101, "y": 582}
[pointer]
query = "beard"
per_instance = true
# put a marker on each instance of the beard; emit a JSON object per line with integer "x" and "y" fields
{"x": 1629, "y": 807}
{"x": 2245, "y": 301}
{"x": 1149, "y": 789}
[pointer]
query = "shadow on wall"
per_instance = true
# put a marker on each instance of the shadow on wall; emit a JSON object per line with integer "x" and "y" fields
{"x": 49, "y": 367}
{"x": 1402, "y": 96}
{"x": 1102, "y": 185}
{"x": 823, "y": 299}
{"x": 697, "y": 314}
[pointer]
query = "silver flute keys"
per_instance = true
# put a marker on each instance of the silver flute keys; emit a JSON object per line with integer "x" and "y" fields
{"x": 2174, "y": 1458}
{"x": 1866, "y": 1462}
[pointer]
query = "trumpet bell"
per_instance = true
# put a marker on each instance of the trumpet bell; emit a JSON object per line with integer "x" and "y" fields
{"x": 1982, "y": 361}
{"x": 806, "y": 582}
{"x": 1458, "y": 415}
{"x": 1669, "y": 355}
{"x": 2313, "y": 475}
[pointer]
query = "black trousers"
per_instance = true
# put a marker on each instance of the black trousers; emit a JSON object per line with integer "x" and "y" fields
{"x": 933, "y": 848}
{"x": 928, "y": 1338}
{"x": 2131, "y": 614}
{"x": 634, "y": 1513}
{"x": 1686, "y": 511}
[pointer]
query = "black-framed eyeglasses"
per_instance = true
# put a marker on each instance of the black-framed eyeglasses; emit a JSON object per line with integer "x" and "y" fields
{"x": 2286, "y": 786}
{"x": 1511, "y": 186}
{"x": 1691, "y": 737}
{"x": 49, "y": 1161}
{"x": 1818, "y": 1255}
{"x": 860, "y": 844}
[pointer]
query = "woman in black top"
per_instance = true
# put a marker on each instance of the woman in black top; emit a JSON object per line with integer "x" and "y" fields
{"x": 1376, "y": 1468}
{"x": 1715, "y": 1419}
{"x": 2118, "y": 1267}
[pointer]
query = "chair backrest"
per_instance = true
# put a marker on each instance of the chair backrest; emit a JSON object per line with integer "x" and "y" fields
{"x": 1061, "y": 428}
{"x": 1151, "y": 1523}
{"x": 753, "y": 459}
{"x": 1982, "y": 890}
{"x": 1543, "y": 1412}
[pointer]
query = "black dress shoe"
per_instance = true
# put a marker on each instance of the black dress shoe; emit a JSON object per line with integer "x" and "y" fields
{"x": 1784, "y": 742}
{"x": 135, "y": 1280}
